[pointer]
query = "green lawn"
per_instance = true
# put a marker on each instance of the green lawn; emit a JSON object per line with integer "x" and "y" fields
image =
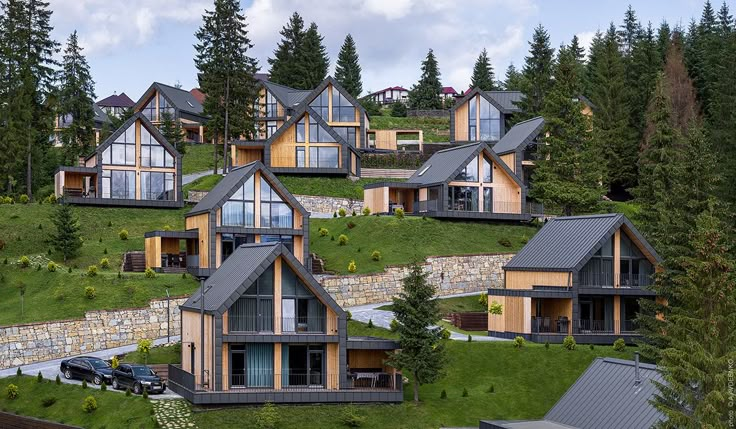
{"x": 459, "y": 304}
{"x": 199, "y": 157}
{"x": 205, "y": 183}
{"x": 435, "y": 129}
{"x": 526, "y": 382}
{"x": 402, "y": 241}
{"x": 158, "y": 355}
{"x": 328, "y": 186}
{"x": 115, "y": 410}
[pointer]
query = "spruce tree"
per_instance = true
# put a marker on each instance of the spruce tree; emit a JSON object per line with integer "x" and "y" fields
{"x": 664, "y": 36}
{"x": 643, "y": 66}
{"x": 283, "y": 64}
{"x": 172, "y": 131}
{"x": 76, "y": 96}
{"x": 536, "y": 76}
{"x": 629, "y": 32}
{"x": 226, "y": 73}
{"x": 311, "y": 59}
{"x": 483, "y": 76}
{"x": 608, "y": 93}
{"x": 512, "y": 79}
{"x": 417, "y": 313}
{"x": 569, "y": 171}
{"x": 425, "y": 94}
{"x": 67, "y": 239}
{"x": 347, "y": 68}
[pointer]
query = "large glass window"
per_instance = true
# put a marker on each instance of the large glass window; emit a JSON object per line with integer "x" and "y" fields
{"x": 487, "y": 170}
{"x": 253, "y": 312}
{"x": 271, "y": 107}
{"x": 300, "y": 130}
{"x": 274, "y": 212}
{"x": 490, "y": 121}
{"x": 157, "y": 186}
{"x": 230, "y": 242}
{"x": 300, "y": 309}
{"x": 318, "y": 134}
{"x": 321, "y": 106}
{"x": 598, "y": 271}
{"x": 488, "y": 200}
{"x": 164, "y": 107}
{"x": 324, "y": 157}
{"x": 469, "y": 173}
{"x": 472, "y": 119}
{"x": 342, "y": 109}
{"x": 149, "y": 110}
{"x": 122, "y": 150}
{"x": 153, "y": 153}
{"x": 347, "y": 133}
{"x": 286, "y": 240}
{"x": 270, "y": 128}
{"x": 239, "y": 210}
{"x": 463, "y": 198}
{"x": 118, "y": 184}
{"x": 300, "y": 157}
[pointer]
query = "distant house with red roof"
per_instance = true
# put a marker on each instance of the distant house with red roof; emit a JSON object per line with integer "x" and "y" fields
{"x": 448, "y": 93}
{"x": 115, "y": 104}
{"x": 390, "y": 95}
{"x": 198, "y": 94}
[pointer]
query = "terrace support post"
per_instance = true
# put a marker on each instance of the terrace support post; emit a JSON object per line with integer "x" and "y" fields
{"x": 201, "y": 332}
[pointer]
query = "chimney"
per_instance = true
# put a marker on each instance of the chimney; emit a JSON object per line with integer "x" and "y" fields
{"x": 637, "y": 374}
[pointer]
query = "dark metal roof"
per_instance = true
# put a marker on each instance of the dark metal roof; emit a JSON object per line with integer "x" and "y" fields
{"x": 519, "y": 135}
{"x": 372, "y": 343}
{"x": 287, "y": 96}
{"x": 506, "y": 99}
{"x": 115, "y": 100}
{"x": 566, "y": 243}
{"x": 100, "y": 115}
{"x": 233, "y": 180}
{"x": 172, "y": 234}
{"x": 181, "y": 99}
{"x": 238, "y": 272}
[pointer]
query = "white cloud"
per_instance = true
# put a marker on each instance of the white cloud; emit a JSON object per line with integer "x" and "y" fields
{"x": 586, "y": 39}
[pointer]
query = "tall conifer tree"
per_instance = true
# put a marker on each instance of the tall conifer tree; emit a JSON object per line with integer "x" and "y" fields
{"x": 536, "y": 76}
{"x": 425, "y": 94}
{"x": 311, "y": 59}
{"x": 347, "y": 68}
{"x": 283, "y": 64}
{"x": 512, "y": 79}
{"x": 483, "y": 76}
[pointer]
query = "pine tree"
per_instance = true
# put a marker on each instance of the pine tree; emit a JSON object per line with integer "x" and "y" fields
{"x": 629, "y": 32}
{"x": 664, "y": 36}
{"x": 578, "y": 54}
{"x": 425, "y": 94}
{"x": 643, "y": 66}
{"x": 226, "y": 73}
{"x": 283, "y": 64}
{"x": 512, "y": 79}
{"x": 536, "y": 76}
{"x": 347, "y": 68}
{"x": 311, "y": 59}
{"x": 483, "y": 76}
{"x": 172, "y": 131}
{"x": 699, "y": 326}
{"x": 76, "y": 96}
{"x": 568, "y": 174}
{"x": 608, "y": 93}
{"x": 702, "y": 54}
{"x": 417, "y": 313}
{"x": 67, "y": 239}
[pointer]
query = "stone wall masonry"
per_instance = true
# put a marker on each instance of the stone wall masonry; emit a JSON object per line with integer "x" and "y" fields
{"x": 99, "y": 330}
{"x": 313, "y": 204}
{"x": 450, "y": 274}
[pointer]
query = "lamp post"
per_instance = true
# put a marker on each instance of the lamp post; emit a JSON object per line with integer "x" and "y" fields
{"x": 201, "y": 331}
{"x": 168, "y": 316}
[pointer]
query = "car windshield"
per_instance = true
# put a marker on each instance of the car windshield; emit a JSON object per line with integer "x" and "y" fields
{"x": 99, "y": 364}
{"x": 142, "y": 371}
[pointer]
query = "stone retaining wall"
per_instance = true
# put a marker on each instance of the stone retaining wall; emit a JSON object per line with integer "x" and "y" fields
{"x": 99, "y": 330}
{"x": 315, "y": 204}
{"x": 450, "y": 274}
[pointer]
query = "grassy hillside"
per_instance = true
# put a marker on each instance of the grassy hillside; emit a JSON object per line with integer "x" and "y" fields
{"x": 402, "y": 241}
{"x": 199, "y": 157}
{"x": 205, "y": 183}
{"x": 435, "y": 129}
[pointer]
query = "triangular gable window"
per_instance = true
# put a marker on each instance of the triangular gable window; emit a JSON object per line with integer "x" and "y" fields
{"x": 300, "y": 309}
{"x": 153, "y": 154}
{"x": 342, "y": 109}
{"x": 320, "y": 105}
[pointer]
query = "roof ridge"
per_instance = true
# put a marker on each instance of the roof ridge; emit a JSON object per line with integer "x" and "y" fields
{"x": 589, "y": 216}
{"x": 527, "y": 120}
{"x": 503, "y": 90}
{"x": 266, "y": 244}
{"x": 172, "y": 87}
{"x": 627, "y": 362}
{"x": 284, "y": 86}
{"x": 459, "y": 147}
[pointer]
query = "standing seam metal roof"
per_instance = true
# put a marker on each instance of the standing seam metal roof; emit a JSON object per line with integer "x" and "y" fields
{"x": 506, "y": 99}
{"x": 182, "y": 99}
{"x": 440, "y": 166}
{"x": 519, "y": 134}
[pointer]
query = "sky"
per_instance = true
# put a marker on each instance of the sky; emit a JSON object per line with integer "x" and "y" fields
{"x": 131, "y": 43}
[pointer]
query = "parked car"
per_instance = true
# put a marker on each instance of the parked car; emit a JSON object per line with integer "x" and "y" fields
{"x": 137, "y": 377}
{"x": 87, "y": 368}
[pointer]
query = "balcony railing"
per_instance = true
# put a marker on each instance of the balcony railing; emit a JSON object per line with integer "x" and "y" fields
{"x": 249, "y": 323}
{"x": 427, "y": 206}
{"x": 303, "y": 324}
{"x": 609, "y": 280}
{"x": 563, "y": 326}
{"x": 500, "y": 207}
{"x": 301, "y": 379}
{"x": 79, "y": 193}
{"x": 255, "y": 323}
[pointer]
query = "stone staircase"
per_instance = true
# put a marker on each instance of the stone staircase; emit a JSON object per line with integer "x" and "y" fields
{"x": 134, "y": 262}
{"x": 318, "y": 265}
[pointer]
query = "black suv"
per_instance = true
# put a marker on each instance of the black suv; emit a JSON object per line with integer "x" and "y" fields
{"x": 87, "y": 368}
{"x": 137, "y": 377}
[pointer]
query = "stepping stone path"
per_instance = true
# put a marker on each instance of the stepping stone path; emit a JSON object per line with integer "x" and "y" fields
{"x": 173, "y": 414}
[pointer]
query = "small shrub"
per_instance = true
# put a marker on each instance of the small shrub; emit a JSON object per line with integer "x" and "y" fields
{"x": 38, "y": 267}
{"x": 350, "y": 225}
{"x": 150, "y": 274}
{"x": 24, "y": 261}
{"x": 104, "y": 252}
{"x": 352, "y": 418}
{"x": 48, "y": 252}
{"x": 348, "y": 315}
{"x": 569, "y": 342}
{"x": 519, "y": 342}
{"x": 351, "y": 267}
{"x": 491, "y": 389}
{"x": 167, "y": 227}
{"x": 399, "y": 213}
{"x": 483, "y": 299}
{"x": 592, "y": 347}
{"x": 465, "y": 392}
{"x": 115, "y": 362}
{"x": 376, "y": 255}
{"x": 394, "y": 326}
{"x": 39, "y": 377}
{"x": 69, "y": 270}
{"x": 443, "y": 394}
{"x": 103, "y": 387}
{"x": 354, "y": 214}
{"x": 40, "y": 226}
{"x": 89, "y": 404}
{"x": 144, "y": 348}
{"x": 524, "y": 239}
{"x": 19, "y": 372}
{"x": 546, "y": 345}
{"x": 342, "y": 212}
{"x": 92, "y": 271}
{"x": 58, "y": 380}
{"x": 123, "y": 234}
{"x": 24, "y": 199}
{"x": 90, "y": 292}
{"x": 128, "y": 392}
{"x": 84, "y": 384}
{"x": 109, "y": 223}
{"x": 267, "y": 417}
{"x": 496, "y": 308}
{"x": 47, "y": 402}
{"x": 332, "y": 238}
{"x": 334, "y": 214}
{"x": 619, "y": 345}
{"x": 366, "y": 211}
{"x": 11, "y": 391}
{"x": 100, "y": 240}
{"x": 184, "y": 275}
{"x": 5, "y": 261}
{"x": 51, "y": 199}
{"x": 323, "y": 232}
{"x": 505, "y": 242}
{"x": 370, "y": 323}
{"x": 51, "y": 266}
{"x": 145, "y": 392}
{"x": 470, "y": 338}
{"x": 445, "y": 334}
{"x": 104, "y": 263}
{"x": 342, "y": 240}
{"x": 120, "y": 275}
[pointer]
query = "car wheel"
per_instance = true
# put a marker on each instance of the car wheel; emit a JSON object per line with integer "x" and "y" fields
{"x": 67, "y": 374}
{"x": 115, "y": 384}
{"x": 137, "y": 389}
{"x": 97, "y": 380}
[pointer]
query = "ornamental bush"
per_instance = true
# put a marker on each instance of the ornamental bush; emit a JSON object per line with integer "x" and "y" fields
{"x": 445, "y": 334}
{"x": 342, "y": 240}
{"x": 51, "y": 266}
{"x": 483, "y": 299}
{"x": 342, "y": 212}
{"x": 24, "y": 261}
{"x": 323, "y": 232}
{"x": 619, "y": 345}
{"x": 90, "y": 292}
{"x": 519, "y": 342}
{"x": 24, "y": 199}
{"x": 115, "y": 362}
{"x": 394, "y": 326}
{"x": 104, "y": 263}
{"x": 399, "y": 213}
{"x": 150, "y": 274}
{"x": 123, "y": 234}
{"x": 376, "y": 255}
{"x": 92, "y": 271}
{"x": 366, "y": 211}
{"x": 352, "y": 418}
{"x": 267, "y": 417}
{"x": 351, "y": 267}
{"x": 505, "y": 242}
{"x": 89, "y": 404}
{"x": 11, "y": 391}
{"x": 569, "y": 342}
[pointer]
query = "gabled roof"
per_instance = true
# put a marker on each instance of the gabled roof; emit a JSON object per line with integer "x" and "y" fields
{"x": 233, "y": 180}
{"x": 448, "y": 90}
{"x": 567, "y": 243}
{"x": 116, "y": 100}
{"x": 181, "y": 99}
{"x": 241, "y": 269}
{"x": 198, "y": 94}
{"x": 505, "y": 101}
{"x": 100, "y": 115}
{"x": 606, "y": 396}
{"x": 149, "y": 126}
{"x": 287, "y": 96}
{"x": 444, "y": 165}
{"x": 519, "y": 135}
{"x": 395, "y": 88}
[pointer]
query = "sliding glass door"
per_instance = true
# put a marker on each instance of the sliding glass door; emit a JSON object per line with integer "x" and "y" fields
{"x": 251, "y": 365}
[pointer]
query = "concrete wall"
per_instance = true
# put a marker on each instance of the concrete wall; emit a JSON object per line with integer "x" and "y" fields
{"x": 99, "y": 330}
{"x": 450, "y": 274}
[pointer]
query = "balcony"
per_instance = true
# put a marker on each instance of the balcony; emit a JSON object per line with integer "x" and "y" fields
{"x": 610, "y": 280}
{"x": 563, "y": 326}
{"x": 289, "y": 325}
{"x": 301, "y": 380}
